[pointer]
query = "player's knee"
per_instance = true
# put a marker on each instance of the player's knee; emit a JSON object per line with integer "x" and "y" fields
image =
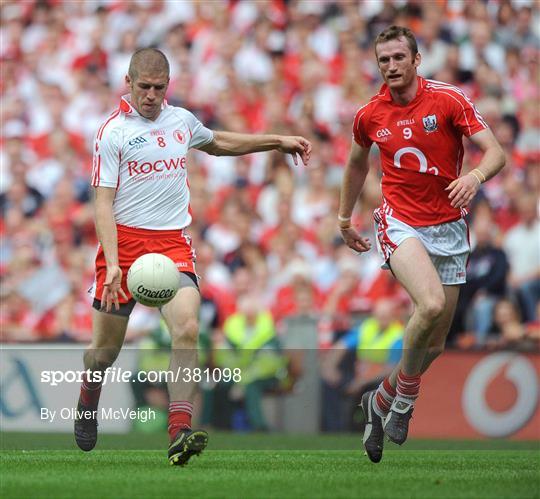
{"x": 187, "y": 332}
{"x": 99, "y": 359}
{"x": 432, "y": 307}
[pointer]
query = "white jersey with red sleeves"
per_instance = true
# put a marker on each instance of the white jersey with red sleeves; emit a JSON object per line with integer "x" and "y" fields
{"x": 421, "y": 148}
{"x": 146, "y": 162}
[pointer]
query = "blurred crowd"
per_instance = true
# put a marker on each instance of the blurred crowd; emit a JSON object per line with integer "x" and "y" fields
{"x": 262, "y": 227}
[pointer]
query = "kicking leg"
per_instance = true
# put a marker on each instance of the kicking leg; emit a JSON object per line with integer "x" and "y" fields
{"x": 181, "y": 315}
{"x": 107, "y": 339}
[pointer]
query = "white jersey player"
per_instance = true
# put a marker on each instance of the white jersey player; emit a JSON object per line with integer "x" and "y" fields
{"x": 142, "y": 206}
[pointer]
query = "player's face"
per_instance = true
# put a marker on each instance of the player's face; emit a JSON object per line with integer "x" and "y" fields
{"x": 147, "y": 93}
{"x": 396, "y": 63}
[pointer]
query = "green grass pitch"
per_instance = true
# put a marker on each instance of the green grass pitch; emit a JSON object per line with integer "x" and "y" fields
{"x": 253, "y": 466}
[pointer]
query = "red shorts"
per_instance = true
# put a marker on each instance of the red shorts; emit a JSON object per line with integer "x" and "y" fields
{"x": 134, "y": 242}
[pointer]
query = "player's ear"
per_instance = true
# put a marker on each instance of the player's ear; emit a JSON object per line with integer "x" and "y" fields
{"x": 128, "y": 81}
{"x": 417, "y": 59}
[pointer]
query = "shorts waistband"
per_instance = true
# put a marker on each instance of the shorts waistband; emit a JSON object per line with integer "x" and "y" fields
{"x": 150, "y": 233}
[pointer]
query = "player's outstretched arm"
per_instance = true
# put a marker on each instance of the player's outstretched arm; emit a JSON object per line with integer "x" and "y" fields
{"x": 463, "y": 189}
{"x": 237, "y": 144}
{"x": 354, "y": 176}
{"x": 108, "y": 238}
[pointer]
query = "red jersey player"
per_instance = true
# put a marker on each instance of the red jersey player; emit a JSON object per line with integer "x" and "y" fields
{"x": 142, "y": 206}
{"x": 418, "y": 125}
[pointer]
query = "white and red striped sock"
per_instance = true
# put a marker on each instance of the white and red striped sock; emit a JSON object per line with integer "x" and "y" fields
{"x": 180, "y": 412}
{"x": 408, "y": 387}
{"x": 383, "y": 398}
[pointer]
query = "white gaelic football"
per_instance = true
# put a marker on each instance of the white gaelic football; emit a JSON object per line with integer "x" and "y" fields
{"x": 153, "y": 279}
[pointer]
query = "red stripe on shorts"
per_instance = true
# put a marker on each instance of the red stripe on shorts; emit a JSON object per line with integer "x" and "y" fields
{"x": 387, "y": 245}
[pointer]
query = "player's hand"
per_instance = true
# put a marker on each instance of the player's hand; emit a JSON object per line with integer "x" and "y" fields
{"x": 354, "y": 241}
{"x": 294, "y": 146}
{"x": 112, "y": 287}
{"x": 462, "y": 190}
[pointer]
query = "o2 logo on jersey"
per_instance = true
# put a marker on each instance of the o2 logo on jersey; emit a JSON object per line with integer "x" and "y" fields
{"x": 179, "y": 136}
{"x": 422, "y": 160}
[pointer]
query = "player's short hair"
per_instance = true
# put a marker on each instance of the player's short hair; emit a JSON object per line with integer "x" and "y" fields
{"x": 395, "y": 32}
{"x": 148, "y": 60}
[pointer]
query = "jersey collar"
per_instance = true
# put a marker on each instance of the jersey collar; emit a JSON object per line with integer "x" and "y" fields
{"x": 126, "y": 107}
{"x": 385, "y": 95}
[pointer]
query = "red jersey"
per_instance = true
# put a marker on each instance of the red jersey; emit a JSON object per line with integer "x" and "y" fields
{"x": 421, "y": 148}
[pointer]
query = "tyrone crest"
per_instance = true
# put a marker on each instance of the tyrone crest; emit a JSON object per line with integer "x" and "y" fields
{"x": 430, "y": 123}
{"x": 179, "y": 136}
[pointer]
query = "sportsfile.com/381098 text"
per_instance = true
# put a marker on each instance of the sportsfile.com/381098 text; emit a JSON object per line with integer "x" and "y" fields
{"x": 119, "y": 375}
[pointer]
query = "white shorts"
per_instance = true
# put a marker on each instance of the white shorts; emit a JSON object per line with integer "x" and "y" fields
{"x": 447, "y": 244}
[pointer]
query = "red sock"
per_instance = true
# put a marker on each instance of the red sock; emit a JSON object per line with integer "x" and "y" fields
{"x": 90, "y": 392}
{"x": 408, "y": 386}
{"x": 384, "y": 398}
{"x": 179, "y": 416}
